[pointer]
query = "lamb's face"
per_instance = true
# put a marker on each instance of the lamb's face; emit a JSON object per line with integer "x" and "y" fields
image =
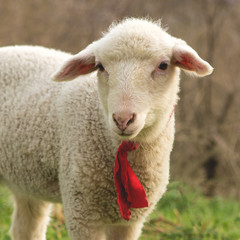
{"x": 137, "y": 93}
{"x": 138, "y": 76}
{"x": 137, "y": 81}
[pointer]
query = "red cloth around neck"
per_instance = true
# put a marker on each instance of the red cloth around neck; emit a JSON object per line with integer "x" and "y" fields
{"x": 130, "y": 192}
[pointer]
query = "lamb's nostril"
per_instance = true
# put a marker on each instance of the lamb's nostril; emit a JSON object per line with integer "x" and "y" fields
{"x": 123, "y": 119}
{"x": 114, "y": 119}
{"x": 132, "y": 119}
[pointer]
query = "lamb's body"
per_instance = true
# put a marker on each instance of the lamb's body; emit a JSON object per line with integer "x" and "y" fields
{"x": 56, "y": 146}
{"x": 44, "y": 115}
{"x": 29, "y": 139}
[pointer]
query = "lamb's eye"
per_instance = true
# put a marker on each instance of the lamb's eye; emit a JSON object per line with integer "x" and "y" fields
{"x": 100, "y": 67}
{"x": 163, "y": 66}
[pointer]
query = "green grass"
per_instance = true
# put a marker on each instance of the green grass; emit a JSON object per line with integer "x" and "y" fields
{"x": 182, "y": 214}
{"x": 185, "y": 214}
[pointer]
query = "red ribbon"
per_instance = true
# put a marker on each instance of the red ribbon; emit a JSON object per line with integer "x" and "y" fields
{"x": 130, "y": 192}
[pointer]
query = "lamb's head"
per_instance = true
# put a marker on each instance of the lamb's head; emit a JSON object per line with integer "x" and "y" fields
{"x": 138, "y": 67}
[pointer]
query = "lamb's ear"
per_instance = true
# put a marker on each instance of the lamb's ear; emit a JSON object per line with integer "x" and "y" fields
{"x": 79, "y": 64}
{"x": 187, "y": 59}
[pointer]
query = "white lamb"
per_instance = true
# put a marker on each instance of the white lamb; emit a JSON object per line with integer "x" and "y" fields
{"x": 59, "y": 141}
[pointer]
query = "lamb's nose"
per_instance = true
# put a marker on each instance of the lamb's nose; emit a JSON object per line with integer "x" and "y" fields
{"x": 123, "y": 119}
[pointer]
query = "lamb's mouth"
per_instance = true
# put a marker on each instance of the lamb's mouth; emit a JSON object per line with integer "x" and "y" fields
{"x": 127, "y": 135}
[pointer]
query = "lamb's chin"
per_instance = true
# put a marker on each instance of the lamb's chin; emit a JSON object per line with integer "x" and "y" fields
{"x": 126, "y": 136}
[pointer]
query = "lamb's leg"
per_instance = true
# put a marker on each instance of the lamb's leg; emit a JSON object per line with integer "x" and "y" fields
{"x": 87, "y": 233}
{"x": 82, "y": 221}
{"x": 128, "y": 232}
{"x": 30, "y": 219}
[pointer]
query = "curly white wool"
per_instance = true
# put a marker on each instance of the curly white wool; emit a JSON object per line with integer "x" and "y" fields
{"x": 59, "y": 140}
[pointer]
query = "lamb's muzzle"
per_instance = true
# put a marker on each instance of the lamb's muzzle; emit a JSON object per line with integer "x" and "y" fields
{"x": 123, "y": 119}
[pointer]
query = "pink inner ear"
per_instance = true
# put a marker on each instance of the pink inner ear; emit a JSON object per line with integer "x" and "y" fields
{"x": 187, "y": 59}
{"x": 189, "y": 63}
{"x": 76, "y": 68}
{"x": 84, "y": 69}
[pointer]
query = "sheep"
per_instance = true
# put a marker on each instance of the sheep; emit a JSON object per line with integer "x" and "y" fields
{"x": 59, "y": 138}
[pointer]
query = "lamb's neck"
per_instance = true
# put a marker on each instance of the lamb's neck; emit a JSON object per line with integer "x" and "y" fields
{"x": 156, "y": 150}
